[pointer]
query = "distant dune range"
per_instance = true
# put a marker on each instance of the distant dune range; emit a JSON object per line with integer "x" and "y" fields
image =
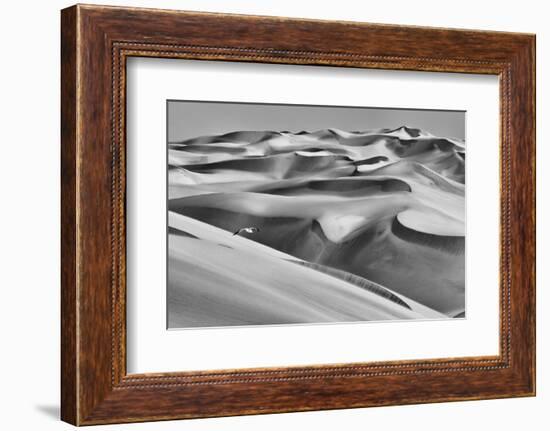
{"x": 380, "y": 211}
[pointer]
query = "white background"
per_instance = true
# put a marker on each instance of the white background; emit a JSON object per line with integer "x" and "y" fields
{"x": 29, "y": 229}
{"x": 152, "y": 349}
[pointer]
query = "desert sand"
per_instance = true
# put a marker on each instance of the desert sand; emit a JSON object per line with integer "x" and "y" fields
{"x": 347, "y": 226}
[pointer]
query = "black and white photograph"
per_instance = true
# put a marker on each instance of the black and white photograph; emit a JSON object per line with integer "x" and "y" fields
{"x": 295, "y": 214}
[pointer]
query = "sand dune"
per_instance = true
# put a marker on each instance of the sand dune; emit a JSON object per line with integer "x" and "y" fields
{"x": 217, "y": 279}
{"x": 394, "y": 144}
{"x": 383, "y": 206}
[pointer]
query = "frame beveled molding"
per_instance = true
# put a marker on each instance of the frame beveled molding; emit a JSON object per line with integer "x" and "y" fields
{"x": 96, "y": 41}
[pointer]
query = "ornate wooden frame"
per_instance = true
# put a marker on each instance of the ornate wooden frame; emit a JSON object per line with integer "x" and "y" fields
{"x": 95, "y": 42}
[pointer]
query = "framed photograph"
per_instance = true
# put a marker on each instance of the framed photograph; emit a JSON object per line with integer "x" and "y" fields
{"x": 263, "y": 214}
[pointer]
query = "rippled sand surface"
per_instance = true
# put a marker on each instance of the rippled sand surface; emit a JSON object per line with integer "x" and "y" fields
{"x": 347, "y": 226}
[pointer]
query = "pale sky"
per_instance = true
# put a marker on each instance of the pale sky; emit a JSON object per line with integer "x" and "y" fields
{"x": 189, "y": 119}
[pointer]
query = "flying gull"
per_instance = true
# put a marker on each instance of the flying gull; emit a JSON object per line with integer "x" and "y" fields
{"x": 247, "y": 230}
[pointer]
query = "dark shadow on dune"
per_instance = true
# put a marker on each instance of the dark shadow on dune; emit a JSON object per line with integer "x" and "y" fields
{"x": 212, "y": 148}
{"x": 406, "y": 169}
{"x": 371, "y": 161}
{"x": 412, "y": 147}
{"x": 281, "y": 165}
{"x": 335, "y": 151}
{"x": 352, "y": 187}
{"x": 344, "y": 185}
